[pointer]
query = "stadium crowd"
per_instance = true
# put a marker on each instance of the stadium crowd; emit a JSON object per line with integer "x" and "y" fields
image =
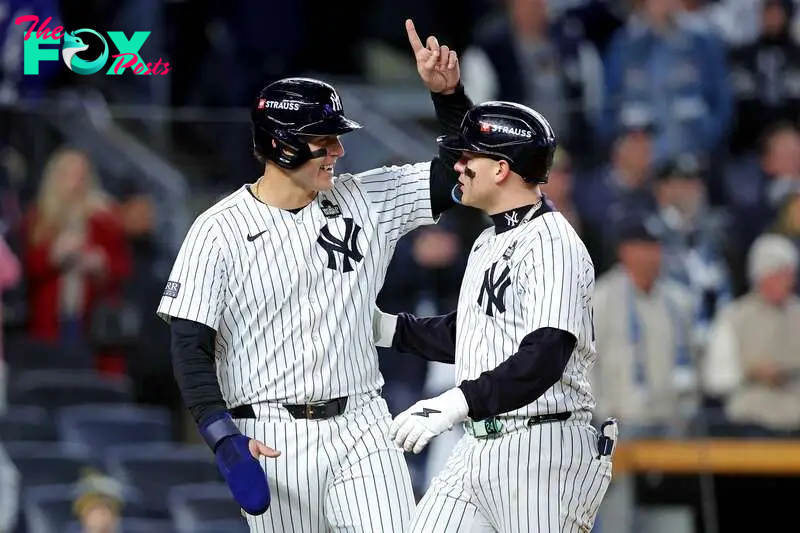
{"x": 679, "y": 166}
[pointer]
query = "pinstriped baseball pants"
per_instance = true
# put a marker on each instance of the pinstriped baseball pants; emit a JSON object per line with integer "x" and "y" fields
{"x": 545, "y": 479}
{"x": 338, "y": 475}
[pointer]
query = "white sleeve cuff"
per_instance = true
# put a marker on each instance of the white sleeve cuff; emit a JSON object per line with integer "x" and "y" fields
{"x": 383, "y": 327}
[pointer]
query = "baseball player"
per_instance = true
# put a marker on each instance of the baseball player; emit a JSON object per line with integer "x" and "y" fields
{"x": 271, "y": 300}
{"x": 522, "y": 342}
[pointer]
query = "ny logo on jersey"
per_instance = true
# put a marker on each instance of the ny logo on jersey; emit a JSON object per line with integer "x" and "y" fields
{"x": 512, "y": 219}
{"x": 494, "y": 288}
{"x": 347, "y": 245}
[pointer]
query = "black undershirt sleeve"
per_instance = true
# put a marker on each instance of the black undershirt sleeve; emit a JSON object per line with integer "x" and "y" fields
{"x": 431, "y": 338}
{"x": 192, "y": 346}
{"x": 522, "y": 378}
{"x": 450, "y": 110}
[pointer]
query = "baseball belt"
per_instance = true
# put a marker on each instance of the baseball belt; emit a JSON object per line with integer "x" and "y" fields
{"x": 493, "y": 427}
{"x": 310, "y": 411}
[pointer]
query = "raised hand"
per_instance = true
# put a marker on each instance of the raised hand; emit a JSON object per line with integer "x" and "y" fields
{"x": 436, "y": 65}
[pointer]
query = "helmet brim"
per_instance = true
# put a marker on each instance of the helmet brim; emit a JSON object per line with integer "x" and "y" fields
{"x": 338, "y": 125}
{"x": 455, "y": 143}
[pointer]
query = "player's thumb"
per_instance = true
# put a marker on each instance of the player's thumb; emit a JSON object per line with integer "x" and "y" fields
{"x": 259, "y": 449}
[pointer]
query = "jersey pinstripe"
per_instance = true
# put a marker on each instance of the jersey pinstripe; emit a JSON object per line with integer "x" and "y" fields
{"x": 538, "y": 274}
{"x": 290, "y": 295}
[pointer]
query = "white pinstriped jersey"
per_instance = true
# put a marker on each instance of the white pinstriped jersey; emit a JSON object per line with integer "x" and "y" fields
{"x": 538, "y": 274}
{"x": 291, "y": 295}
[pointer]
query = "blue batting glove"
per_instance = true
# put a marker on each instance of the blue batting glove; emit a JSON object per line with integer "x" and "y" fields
{"x": 242, "y": 472}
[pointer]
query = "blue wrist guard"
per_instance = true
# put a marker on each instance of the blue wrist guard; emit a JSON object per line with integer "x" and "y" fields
{"x": 242, "y": 472}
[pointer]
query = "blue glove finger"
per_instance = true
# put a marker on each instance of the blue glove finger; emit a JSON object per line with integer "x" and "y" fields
{"x": 243, "y": 474}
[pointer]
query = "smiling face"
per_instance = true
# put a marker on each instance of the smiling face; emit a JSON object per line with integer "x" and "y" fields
{"x": 317, "y": 174}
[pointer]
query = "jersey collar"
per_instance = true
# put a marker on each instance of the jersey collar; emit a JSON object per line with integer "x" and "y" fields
{"x": 520, "y": 215}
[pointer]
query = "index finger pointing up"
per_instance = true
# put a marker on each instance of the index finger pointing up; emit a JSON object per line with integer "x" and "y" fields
{"x": 413, "y": 38}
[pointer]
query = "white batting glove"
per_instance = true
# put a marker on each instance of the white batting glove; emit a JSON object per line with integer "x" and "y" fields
{"x": 383, "y": 327}
{"x": 414, "y": 428}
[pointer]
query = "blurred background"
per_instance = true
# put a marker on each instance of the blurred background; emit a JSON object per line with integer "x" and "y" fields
{"x": 679, "y": 166}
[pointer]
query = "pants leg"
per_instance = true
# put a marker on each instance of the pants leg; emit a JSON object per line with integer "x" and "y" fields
{"x": 370, "y": 489}
{"x": 448, "y": 505}
{"x": 297, "y": 477}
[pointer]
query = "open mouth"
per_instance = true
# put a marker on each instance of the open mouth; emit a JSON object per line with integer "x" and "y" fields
{"x": 327, "y": 168}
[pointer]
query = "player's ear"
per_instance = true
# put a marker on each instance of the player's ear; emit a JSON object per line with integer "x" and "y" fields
{"x": 501, "y": 171}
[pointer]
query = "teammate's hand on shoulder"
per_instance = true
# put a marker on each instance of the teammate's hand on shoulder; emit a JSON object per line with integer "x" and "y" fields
{"x": 414, "y": 428}
{"x": 436, "y": 65}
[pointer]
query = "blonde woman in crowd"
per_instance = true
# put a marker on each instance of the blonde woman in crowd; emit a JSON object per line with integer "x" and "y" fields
{"x": 76, "y": 253}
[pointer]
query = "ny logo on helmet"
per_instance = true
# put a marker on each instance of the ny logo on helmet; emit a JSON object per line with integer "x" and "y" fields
{"x": 336, "y": 102}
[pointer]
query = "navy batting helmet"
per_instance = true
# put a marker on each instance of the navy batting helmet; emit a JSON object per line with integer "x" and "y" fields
{"x": 508, "y": 131}
{"x": 287, "y": 110}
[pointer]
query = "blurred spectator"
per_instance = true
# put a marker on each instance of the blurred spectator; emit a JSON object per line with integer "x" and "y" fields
{"x": 10, "y": 274}
{"x": 645, "y": 374}
{"x": 765, "y": 77}
{"x": 76, "y": 255}
{"x": 778, "y": 175}
{"x": 558, "y": 188}
{"x": 623, "y": 186}
{"x": 787, "y": 223}
{"x": 661, "y": 69}
{"x": 694, "y": 238}
{"x": 9, "y": 492}
{"x": 14, "y": 85}
{"x": 753, "y": 358}
{"x": 525, "y": 57}
{"x": 98, "y": 503}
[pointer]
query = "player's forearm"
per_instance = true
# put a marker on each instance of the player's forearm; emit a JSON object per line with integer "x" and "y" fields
{"x": 450, "y": 109}
{"x": 431, "y": 338}
{"x": 192, "y": 347}
{"x": 522, "y": 378}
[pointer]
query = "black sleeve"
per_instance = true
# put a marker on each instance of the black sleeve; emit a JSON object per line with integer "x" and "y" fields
{"x": 522, "y": 378}
{"x": 450, "y": 110}
{"x": 432, "y": 338}
{"x": 192, "y": 347}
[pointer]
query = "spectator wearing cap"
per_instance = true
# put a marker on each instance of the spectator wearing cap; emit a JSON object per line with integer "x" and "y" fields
{"x": 661, "y": 67}
{"x": 622, "y": 186}
{"x": 528, "y": 56}
{"x": 752, "y": 364}
{"x": 693, "y": 237}
{"x": 98, "y": 503}
{"x": 645, "y": 370}
{"x": 765, "y": 77}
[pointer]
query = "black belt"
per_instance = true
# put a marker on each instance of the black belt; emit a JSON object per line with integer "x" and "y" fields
{"x": 550, "y": 417}
{"x": 311, "y": 411}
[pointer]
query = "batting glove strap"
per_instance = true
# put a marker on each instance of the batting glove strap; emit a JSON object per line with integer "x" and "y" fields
{"x": 217, "y": 428}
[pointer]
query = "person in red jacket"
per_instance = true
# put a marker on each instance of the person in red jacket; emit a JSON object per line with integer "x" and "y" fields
{"x": 76, "y": 254}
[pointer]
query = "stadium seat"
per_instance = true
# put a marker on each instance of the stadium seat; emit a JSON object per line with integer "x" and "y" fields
{"x": 133, "y": 525}
{"x": 23, "y": 354}
{"x": 48, "y": 509}
{"x": 47, "y": 463}
{"x": 153, "y": 469}
{"x": 201, "y": 503}
{"x": 97, "y": 427}
{"x": 57, "y": 389}
{"x": 27, "y": 423}
{"x": 222, "y": 526}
